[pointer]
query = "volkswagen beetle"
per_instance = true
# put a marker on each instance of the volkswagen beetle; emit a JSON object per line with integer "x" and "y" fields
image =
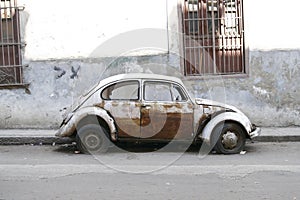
{"x": 153, "y": 108}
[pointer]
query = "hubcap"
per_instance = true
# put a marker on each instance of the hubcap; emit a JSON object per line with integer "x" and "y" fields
{"x": 92, "y": 141}
{"x": 229, "y": 140}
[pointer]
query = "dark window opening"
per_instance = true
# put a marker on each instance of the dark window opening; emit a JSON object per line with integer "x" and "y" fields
{"x": 213, "y": 37}
{"x": 10, "y": 44}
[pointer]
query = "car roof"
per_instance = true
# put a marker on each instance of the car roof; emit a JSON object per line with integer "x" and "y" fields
{"x": 131, "y": 76}
{"x": 139, "y": 76}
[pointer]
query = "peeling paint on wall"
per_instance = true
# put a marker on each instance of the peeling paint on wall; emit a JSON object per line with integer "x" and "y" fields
{"x": 261, "y": 92}
{"x": 270, "y": 96}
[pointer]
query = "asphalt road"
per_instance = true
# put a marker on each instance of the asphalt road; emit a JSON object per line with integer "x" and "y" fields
{"x": 263, "y": 171}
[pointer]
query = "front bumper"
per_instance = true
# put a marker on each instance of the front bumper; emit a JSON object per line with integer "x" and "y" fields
{"x": 255, "y": 132}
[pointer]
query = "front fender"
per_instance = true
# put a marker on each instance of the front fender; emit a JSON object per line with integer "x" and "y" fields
{"x": 225, "y": 116}
{"x": 68, "y": 128}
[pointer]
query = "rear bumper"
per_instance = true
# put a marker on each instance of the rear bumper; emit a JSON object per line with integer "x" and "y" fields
{"x": 66, "y": 130}
{"x": 255, "y": 132}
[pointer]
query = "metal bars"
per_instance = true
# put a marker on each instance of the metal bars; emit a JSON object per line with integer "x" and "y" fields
{"x": 213, "y": 37}
{"x": 10, "y": 44}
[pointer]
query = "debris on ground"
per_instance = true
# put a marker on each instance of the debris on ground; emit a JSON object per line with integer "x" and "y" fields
{"x": 243, "y": 152}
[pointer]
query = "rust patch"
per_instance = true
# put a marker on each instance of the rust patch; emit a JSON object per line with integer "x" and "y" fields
{"x": 205, "y": 106}
{"x": 203, "y": 118}
{"x": 166, "y": 126}
{"x": 145, "y": 120}
{"x": 115, "y": 103}
{"x": 129, "y": 127}
{"x": 178, "y": 105}
{"x": 100, "y": 105}
{"x": 168, "y": 106}
{"x": 190, "y": 106}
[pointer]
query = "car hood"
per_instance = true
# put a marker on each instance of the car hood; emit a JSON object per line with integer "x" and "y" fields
{"x": 208, "y": 102}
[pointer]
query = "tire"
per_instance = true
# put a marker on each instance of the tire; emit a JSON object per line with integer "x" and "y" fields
{"x": 230, "y": 138}
{"x": 92, "y": 139}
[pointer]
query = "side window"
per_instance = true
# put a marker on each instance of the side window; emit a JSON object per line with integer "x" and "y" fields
{"x": 128, "y": 90}
{"x": 156, "y": 91}
{"x": 178, "y": 94}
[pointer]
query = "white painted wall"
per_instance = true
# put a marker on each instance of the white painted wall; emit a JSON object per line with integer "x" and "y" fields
{"x": 272, "y": 24}
{"x": 71, "y": 29}
{"x": 74, "y": 29}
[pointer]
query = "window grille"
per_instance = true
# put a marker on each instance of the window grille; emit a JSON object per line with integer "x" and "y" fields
{"x": 213, "y": 37}
{"x": 10, "y": 44}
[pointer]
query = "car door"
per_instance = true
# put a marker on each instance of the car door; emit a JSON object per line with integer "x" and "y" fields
{"x": 122, "y": 100}
{"x": 166, "y": 112}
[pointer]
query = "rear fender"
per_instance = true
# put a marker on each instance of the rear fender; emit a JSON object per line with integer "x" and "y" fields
{"x": 69, "y": 128}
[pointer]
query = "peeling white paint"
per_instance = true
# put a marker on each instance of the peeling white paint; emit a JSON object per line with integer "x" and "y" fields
{"x": 261, "y": 92}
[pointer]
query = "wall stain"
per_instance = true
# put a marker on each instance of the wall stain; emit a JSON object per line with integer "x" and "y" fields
{"x": 74, "y": 72}
{"x": 60, "y": 72}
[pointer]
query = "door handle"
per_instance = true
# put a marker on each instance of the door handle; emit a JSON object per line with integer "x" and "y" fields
{"x": 147, "y": 107}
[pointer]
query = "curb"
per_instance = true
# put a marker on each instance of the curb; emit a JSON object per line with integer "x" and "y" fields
{"x": 288, "y": 138}
{"x": 279, "y": 134}
{"x": 31, "y": 136}
{"x": 54, "y": 140}
{"x": 47, "y": 137}
{"x": 34, "y": 140}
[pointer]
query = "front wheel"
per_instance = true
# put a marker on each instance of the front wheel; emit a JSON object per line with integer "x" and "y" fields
{"x": 231, "y": 138}
{"x": 92, "y": 139}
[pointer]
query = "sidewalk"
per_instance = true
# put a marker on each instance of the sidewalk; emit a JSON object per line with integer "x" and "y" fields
{"x": 279, "y": 134}
{"x": 40, "y": 136}
{"x": 31, "y": 136}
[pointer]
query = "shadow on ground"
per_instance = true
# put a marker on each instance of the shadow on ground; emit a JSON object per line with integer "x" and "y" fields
{"x": 144, "y": 148}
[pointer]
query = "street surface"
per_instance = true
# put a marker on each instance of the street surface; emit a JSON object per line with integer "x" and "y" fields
{"x": 263, "y": 171}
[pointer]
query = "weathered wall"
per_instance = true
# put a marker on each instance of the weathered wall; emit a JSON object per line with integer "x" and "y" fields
{"x": 56, "y": 84}
{"x": 52, "y": 88}
{"x": 59, "y": 40}
{"x": 270, "y": 96}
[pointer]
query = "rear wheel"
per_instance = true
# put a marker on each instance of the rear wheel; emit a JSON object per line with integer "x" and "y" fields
{"x": 230, "y": 138}
{"x": 92, "y": 139}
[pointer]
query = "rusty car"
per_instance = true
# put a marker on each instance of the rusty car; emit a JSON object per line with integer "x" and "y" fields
{"x": 152, "y": 108}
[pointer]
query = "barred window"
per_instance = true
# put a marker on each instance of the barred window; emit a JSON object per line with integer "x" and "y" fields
{"x": 213, "y": 37}
{"x": 10, "y": 44}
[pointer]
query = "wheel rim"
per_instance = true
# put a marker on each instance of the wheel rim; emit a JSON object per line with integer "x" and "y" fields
{"x": 230, "y": 140}
{"x": 92, "y": 141}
